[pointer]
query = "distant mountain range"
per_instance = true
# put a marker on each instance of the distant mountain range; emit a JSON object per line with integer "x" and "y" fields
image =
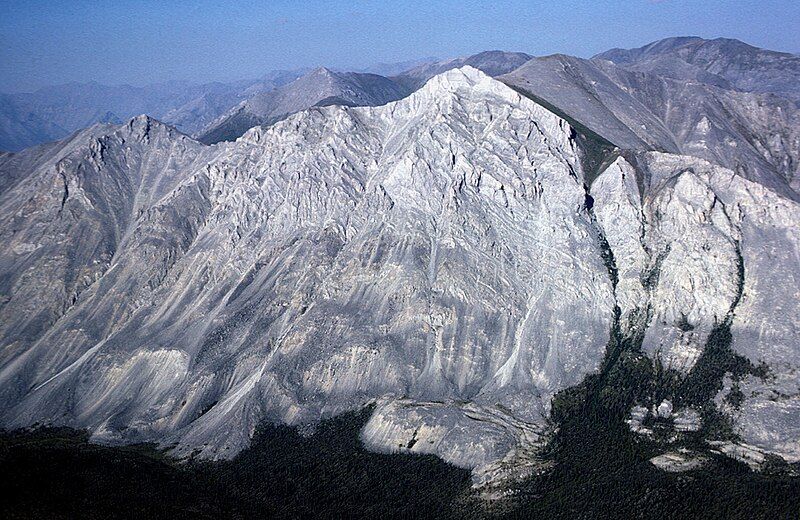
{"x": 223, "y": 111}
{"x": 54, "y": 112}
{"x": 492, "y": 63}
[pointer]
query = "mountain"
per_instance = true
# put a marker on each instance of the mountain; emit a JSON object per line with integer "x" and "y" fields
{"x": 319, "y": 87}
{"x": 758, "y": 135}
{"x": 391, "y": 69}
{"x": 584, "y": 92}
{"x": 218, "y": 111}
{"x": 480, "y": 265}
{"x": 324, "y": 86}
{"x": 20, "y": 128}
{"x": 200, "y": 111}
{"x": 492, "y": 63}
{"x": 722, "y": 62}
{"x": 52, "y": 113}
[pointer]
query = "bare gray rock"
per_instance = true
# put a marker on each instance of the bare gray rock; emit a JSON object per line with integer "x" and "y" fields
{"x": 723, "y": 62}
{"x": 756, "y": 135}
{"x": 678, "y": 461}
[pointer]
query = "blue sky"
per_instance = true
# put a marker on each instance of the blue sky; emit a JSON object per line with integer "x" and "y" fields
{"x": 138, "y": 42}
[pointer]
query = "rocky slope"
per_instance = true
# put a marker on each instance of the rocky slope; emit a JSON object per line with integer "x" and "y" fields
{"x": 459, "y": 257}
{"x": 723, "y": 62}
{"x": 758, "y": 135}
{"x": 323, "y": 86}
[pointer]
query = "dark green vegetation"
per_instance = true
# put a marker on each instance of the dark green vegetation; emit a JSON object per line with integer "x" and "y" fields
{"x": 56, "y": 473}
{"x": 602, "y": 472}
{"x": 602, "y": 468}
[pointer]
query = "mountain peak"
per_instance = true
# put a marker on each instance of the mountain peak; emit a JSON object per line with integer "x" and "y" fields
{"x": 321, "y": 71}
{"x": 466, "y": 72}
{"x": 726, "y": 62}
{"x": 143, "y": 125}
{"x": 457, "y": 79}
{"x": 143, "y": 121}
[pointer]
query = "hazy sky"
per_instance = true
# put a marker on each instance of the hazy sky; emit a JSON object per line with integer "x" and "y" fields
{"x": 121, "y": 41}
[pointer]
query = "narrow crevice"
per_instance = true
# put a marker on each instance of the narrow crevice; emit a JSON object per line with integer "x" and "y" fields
{"x": 589, "y": 419}
{"x": 605, "y": 248}
{"x": 739, "y": 283}
{"x": 65, "y": 195}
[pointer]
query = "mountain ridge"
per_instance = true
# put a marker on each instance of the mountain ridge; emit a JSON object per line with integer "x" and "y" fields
{"x": 320, "y": 85}
{"x": 733, "y": 63}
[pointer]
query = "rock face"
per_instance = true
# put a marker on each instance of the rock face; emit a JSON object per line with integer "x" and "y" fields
{"x": 458, "y": 257}
{"x": 705, "y": 234}
{"x": 319, "y": 87}
{"x": 415, "y": 250}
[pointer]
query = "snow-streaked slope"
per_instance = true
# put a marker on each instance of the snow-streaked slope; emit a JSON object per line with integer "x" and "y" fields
{"x": 319, "y": 87}
{"x": 456, "y": 256}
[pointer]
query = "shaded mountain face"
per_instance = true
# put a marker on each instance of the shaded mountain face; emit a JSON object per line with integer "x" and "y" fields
{"x": 584, "y": 92}
{"x": 319, "y": 87}
{"x": 492, "y": 63}
{"x": 722, "y": 62}
{"x": 458, "y": 257}
{"x": 52, "y": 113}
